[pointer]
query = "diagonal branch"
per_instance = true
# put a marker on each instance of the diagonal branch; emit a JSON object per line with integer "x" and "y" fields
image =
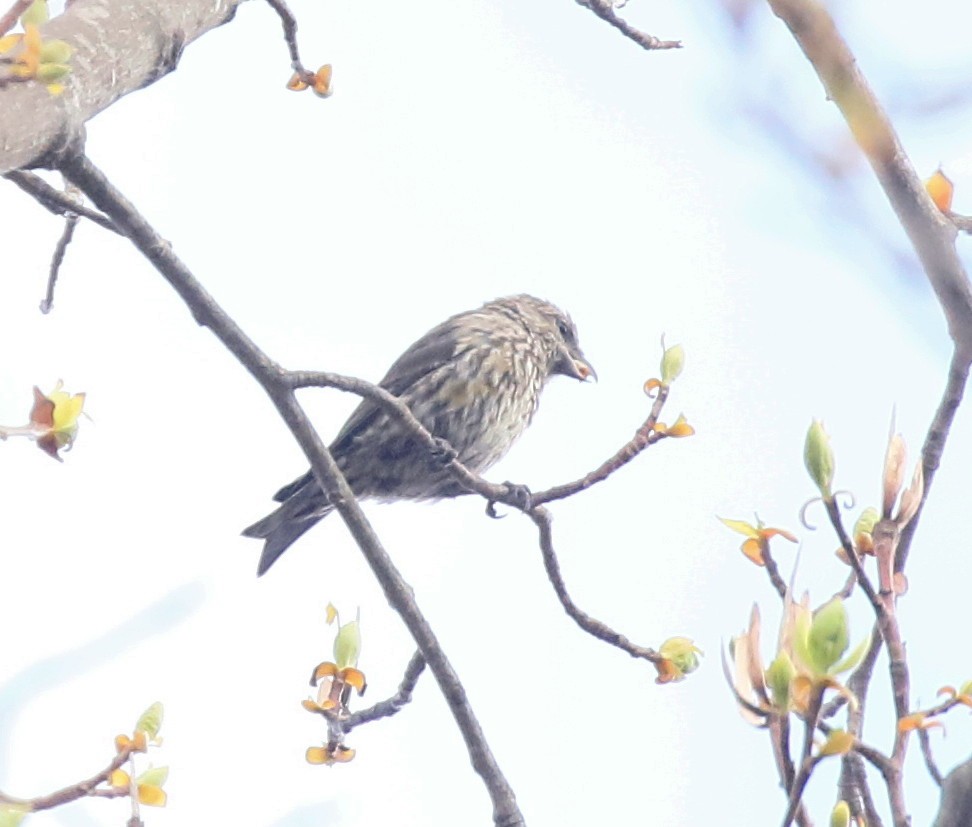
{"x": 74, "y": 791}
{"x": 389, "y": 706}
{"x": 605, "y": 10}
{"x": 932, "y": 234}
{"x": 541, "y": 517}
{"x": 80, "y": 171}
{"x": 934, "y": 447}
{"x": 54, "y": 200}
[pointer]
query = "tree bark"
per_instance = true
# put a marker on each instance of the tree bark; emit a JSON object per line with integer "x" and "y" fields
{"x": 119, "y": 46}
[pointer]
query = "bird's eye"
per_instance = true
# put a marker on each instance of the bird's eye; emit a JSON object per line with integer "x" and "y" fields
{"x": 565, "y": 330}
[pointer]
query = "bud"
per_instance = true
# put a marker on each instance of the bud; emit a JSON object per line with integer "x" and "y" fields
{"x": 55, "y": 51}
{"x": 778, "y": 676}
{"x": 51, "y": 72}
{"x": 673, "y": 360}
{"x": 682, "y": 652}
{"x": 841, "y": 815}
{"x": 818, "y": 457}
{"x": 36, "y": 14}
{"x": 154, "y": 775}
{"x": 866, "y": 522}
{"x": 150, "y": 721}
{"x": 347, "y": 645}
{"x": 12, "y": 814}
{"x": 940, "y": 189}
{"x": 827, "y": 639}
{"x": 911, "y": 499}
{"x": 322, "y": 81}
{"x": 893, "y": 477}
{"x": 838, "y": 742}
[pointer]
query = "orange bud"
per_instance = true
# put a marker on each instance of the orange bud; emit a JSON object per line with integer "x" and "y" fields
{"x": 295, "y": 84}
{"x": 941, "y": 189}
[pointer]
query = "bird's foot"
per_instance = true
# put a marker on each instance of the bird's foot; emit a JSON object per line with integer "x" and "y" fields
{"x": 443, "y": 453}
{"x": 520, "y": 497}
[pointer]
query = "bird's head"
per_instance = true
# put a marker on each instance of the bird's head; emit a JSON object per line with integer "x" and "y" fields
{"x": 558, "y": 335}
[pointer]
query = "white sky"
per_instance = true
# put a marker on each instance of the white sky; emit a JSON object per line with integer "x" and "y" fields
{"x": 470, "y": 150}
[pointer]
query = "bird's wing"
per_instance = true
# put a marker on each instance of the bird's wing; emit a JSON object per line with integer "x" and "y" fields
{"x": 436, "y": 348}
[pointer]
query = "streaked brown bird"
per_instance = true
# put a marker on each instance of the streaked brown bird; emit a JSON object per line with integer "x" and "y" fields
{"x": 474, "y": 380}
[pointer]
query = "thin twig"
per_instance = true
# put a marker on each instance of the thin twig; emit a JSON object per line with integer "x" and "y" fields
{"x": 887, "y": 622}
{"x": 289, "y": 22}
{"x": 70, "y": 222}
{"x": 507, "y": 493}
{"x": 645, "y": 435}
{"x": 926, "y": 753}
{"x": 833, "y": 513}
{"x": 773, "y": 572}
{"x": 962, "y": 222}
{"x": 390, "y": 706}
{"x": 74, "y": 791}
{"x": 605, "y": 10}
{"x": 503, "y": 493}
{"x": 934, "y": 447}
{"x": 55, "y": 201}
{"x": 852, "y": 784}
{"x": 779, "y": 729}
{"x": 541, "y": 517}
{"x": 807, "y": 761}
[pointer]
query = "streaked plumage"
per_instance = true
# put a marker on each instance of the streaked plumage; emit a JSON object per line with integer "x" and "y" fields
{"x": 474, "y": 380}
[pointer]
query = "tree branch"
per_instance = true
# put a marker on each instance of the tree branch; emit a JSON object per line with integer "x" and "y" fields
{"x": 54, "y": 200}
{"x": 80, "y": 171}
{"x": 932, "y": 234}
{"x": 70, "y": 222}
{"x": 74, "y": 791}
{"x": 119, "y": 46}
{"x": 389, "y": 706}
{"x": 605, "y": 10}
{"x": 542, "y": 519}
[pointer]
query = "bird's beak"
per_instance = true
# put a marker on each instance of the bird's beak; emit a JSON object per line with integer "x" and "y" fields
{"x": 583, "y": 370}
{"x": 575, "y": 365}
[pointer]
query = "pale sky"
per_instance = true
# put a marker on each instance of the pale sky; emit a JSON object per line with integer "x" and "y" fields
{"x": 470, "y": 150}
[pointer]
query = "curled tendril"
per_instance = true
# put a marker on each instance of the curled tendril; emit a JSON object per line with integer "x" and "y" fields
{"x": 803, "y": 513}
{"x": 848, "y": 502}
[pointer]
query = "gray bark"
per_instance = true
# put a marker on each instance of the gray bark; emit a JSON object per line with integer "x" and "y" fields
{"x": 119, "y": 46}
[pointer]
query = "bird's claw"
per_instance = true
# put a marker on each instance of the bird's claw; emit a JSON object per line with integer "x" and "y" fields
{"x": 519, "y": 495}
{"x": 443, "y": 453}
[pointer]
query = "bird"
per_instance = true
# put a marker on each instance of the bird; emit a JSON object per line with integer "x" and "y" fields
{"x": 474, "y": 381}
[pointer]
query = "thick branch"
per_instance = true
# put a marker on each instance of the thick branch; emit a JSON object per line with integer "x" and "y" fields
{"x": 932, "y": 234}
{"x": 119, "y": 46}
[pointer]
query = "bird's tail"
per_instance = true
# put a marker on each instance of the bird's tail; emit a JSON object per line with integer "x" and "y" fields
{"x": 281, "y": 528}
